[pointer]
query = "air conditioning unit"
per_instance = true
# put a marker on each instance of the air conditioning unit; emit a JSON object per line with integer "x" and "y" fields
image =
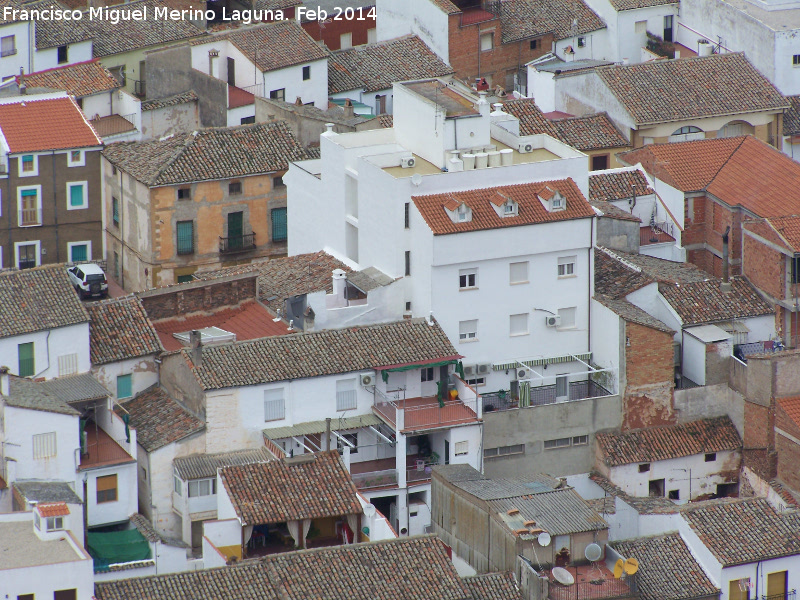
{"x": 469, "y": 371}
{"x": 523, "y": 373}
{"x": 367, "y": 379}
{"x": 408, "y": 162}
{"x": 525, "y": 148}
{"x": 553, "y": 320}
{"x": 484, "y": 369}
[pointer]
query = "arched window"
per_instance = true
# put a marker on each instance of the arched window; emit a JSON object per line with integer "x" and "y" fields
{"x": 687, "y": 133}
{"x": 687, "y": 129}
{"x": 736, "y": 128}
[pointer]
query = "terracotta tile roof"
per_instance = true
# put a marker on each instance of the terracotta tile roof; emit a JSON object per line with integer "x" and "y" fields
{"x": 32, "y": 395}
{"x": 201, "y": 466}
{"x": 221, "y": 153}
{"x": 53, "y": 509}
{"x": 705, "y": 302}
{"x": 376, "y": 67}
{"x": 531, "y": 118}
{"x": 238, "y": 97}
{"x": 590, "y": 132}
{"x": 273, "y": 45}
{"x": 119, "y": 329}
{"x": 147, "y": 530}
{"x": 791, "y": 118}
{"x": 522, "y": 19}
{"x": 657, "y": 505}
{"x": 791, "y": 406}
{"x": 613, "y": 279}
{"x": 613, "y": 212}
{"x": 12, "y": 4}
{"x": 80, "y": 79}
{"x": 112, "y": 125}
{"x": 531, "y": 209}
{"x": 386, "y": 120}
{"x": 158, "y": 419}
{"x": 620, "y": 5}
{"x": 57, "y": 32}
{"x": 744, "y": 531}
{"x": 672, "y": 441}
{"x": 304, "y": 487}
{"x": 31, "y": 125}
{"x": 618, "y": 185}
{"x": 493, "y": 586}
{"x": 38, "y": 299}
{"x": 661, "y": 91}
{"x": 667, "y": 568}
{"x": 632, "y": 313}
{"x": 276, "y": 4}
{"x": 281, "y": 278}
{"x": 321, "y": 353}
{"x": 248, "y": 321}
{"x": 177, "y": 99}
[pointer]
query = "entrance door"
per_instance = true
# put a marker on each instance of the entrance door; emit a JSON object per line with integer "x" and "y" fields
{"x": 668, "y": 28}
{"x": 27, "y": 256}
{"x": 231, "y": 71}
{"x": 197, "y": 534}
{"x": 235, "y": 229}
{"x": 776, "y": 585}
{"x": 446, "y": 452}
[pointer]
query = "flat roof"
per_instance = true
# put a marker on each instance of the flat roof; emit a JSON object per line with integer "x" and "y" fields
{"x": 708, "y": 333}
{"x": 20, "y": 547}
{"x": 453, "y": 103}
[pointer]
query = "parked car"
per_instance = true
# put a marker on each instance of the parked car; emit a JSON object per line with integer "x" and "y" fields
{"x": 88, "y": 280}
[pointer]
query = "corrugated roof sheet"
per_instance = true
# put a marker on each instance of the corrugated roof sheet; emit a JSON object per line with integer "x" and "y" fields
{"x": 76, "y": 388}
{"x": 559, "y": 512}
{"x": 26, "y": 393}
{"x": 199, "y": 466}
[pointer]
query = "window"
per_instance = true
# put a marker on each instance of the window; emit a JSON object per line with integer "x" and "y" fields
{"x": 476, "y": 382}
{"x": 408, "y": 305}
{"x": 567, "y": 317}
{"x": 65, "y": 594}
{"x": 581, "y": 42}
{"x": 656, "y": 488}
{"x": 346, "y": 395}
{"x": 407, "y": 215}
{"x": 54, "y": 523}
{"x": 600, "y": 162}
{"x": 234, "y": 188}
{"x": 25, "y": 597}
{"x": 510, "y": 208}
{"x": 562, "y": 386}
{"x": 184, "y": 193}
{"x": 644, "y": 468}
{"x": 79, "y": 251}
{"x": 461, "y": 448}
{"x": 75, "y": 158}
{"x": 557, "y": 443}
{"x": 177, "y": 485}
{"x": 115, "y": 211}
{"x": 711, "y": 457}
{"x": 667, "y": 28}
{"x": 27, "y": 254}
{"x": 350, "y": 437}
{"x": 8, "y": 46}
{"x": 77, "y": 196}
{"x": 306, "y": 73}
{"x": 277, "y": 182}
{"x": 518, "y": 272}
{"x": 487, "y": 41}
{"x": 796, "y": 60}
{"x": 345, "y": 41}
{"x": 202, "y": 487}
{"x": 185, "y": 278}
{"x": 739, "y": 589}
{"x": 687, "y": 133}
{"x": 26, "y": 360}
{"x": 467, "y": 279}
{"x": 247, "y": 120}
{"x": 463, "y": 213}
{"x": 67, "y": 364}
{"x": 372, "y": 35}
{"x": 468, "y": 330}
{"x": 273, "y": 405}
{"x": 185, "y": 235}
{"x": 62, "y": 54}
{"x": 44, "y": 445}
{"x": 426, "y": 374}
{"x": 534, "y": 44}
{"x": 518, "y": 324}
{"x": 566, "y": 266}
{"x": 504, "y": 451}
{"x": 408, "y": 262}
{"x": 106, "y": 489}
{"x": 29, "y": 205}
{"x": 124, "y": 386}
{"x": 119, "y": 74}
{"x": 278, "y": 94}
{"x": 674, "y": 495}
{"x": 580, "y": 440}
{"x": 28, "y": 165}
{"x": 279, "y": 230}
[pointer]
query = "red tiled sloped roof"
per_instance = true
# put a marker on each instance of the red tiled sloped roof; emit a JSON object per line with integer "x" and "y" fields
{"x": 590, "y": 132}
{"x": 37, "y": 125}
{"x": 620, "y": 185}
{"x": 531, "y": 209}
{"x": 120, "y": 330}
{"x": 158, "y": 419}
{"x": 291, "y": 490}
{"x": 787, "y": 230}
{"x": 53, "y": 509}
{"x": 80, "y": 79}
{"x": 248, "y": 321}
{"x": 705, "y": 302}
{"x": 766, "y": 229}
{"x": 791, "y": 406}
{"x": 674, "y": 441}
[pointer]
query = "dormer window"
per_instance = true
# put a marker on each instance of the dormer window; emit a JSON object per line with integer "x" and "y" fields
{"x": 504, "y": 205}
{"x": 552, "y": 200}
{"x": 557, "y": 203}
{"x": 458, "y": 211}
{"x": 462, "y": 213}
{"x": 510, "y": 209}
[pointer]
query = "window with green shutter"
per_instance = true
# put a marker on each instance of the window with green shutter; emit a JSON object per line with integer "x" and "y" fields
{"x": 26, "y": 362}
{"x": 278, "y": 224}
{"x": 124, "y": 386}
{"x": 79, "y": 253}
{"x": 77, "y": 195}
{"x": 185, "y": 233}
{"x": 115, "y": 211}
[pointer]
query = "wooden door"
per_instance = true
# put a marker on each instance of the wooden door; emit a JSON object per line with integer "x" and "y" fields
{"x": 235, "y": 229}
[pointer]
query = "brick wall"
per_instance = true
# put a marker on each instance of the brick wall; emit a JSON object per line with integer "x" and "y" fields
{"x": 501, "y": 62}
{"x": 331, "y": 31}
{"x": 764, "y": 267}
{"x": 758, "y": 425}
{"x": 198, "y": 296}
{"x": 650, "y": 374}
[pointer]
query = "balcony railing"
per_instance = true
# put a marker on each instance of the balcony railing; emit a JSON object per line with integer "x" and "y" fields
{"x": 139, "y": 89}
{"x": 545, "y": 394}
{"x": 784, "y": 596}
{"x": 422, "y": 472}
{"x": 29, "y": 217}
{"x": 239, "y": 243}
{"x": 8, "y": 52}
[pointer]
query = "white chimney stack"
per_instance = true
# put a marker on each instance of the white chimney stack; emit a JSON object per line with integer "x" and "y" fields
{"x": 5, "y": 385}
{"x": 339, "y": 285}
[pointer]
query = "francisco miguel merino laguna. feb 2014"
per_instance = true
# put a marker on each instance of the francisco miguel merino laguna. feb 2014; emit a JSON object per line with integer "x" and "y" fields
{"x": 116, "y": 15}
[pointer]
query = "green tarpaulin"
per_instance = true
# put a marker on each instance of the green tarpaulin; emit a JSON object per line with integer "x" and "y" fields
{"x": 117, "y": 547}
{"x": 385, "y": 372}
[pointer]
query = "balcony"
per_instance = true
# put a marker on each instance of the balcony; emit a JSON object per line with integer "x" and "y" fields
{"x": 545, "y": 394}
{"x": 382, "y": 473}
{"x": 238, "y": 243}
{"x": 101, "y": 450}
{"x": 30, "y": 217}
{"x": 784, "y": 596}
{"x": 593, "y": 582}
{"x": 420, "y": 414}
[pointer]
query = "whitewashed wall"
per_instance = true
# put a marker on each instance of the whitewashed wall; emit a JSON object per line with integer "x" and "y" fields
{"x": 47, "y": 347}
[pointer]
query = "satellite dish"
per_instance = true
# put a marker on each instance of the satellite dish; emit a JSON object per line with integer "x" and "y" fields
{"x": 563, "y": 576}
{"x": 631, "y": 566}
{"x": 593, "y": 552}
{"x": 544, "y": 539}
{"x": 416, "y": 179}
{"x": 618, "y": 568}
{"x": 369, "y": 510}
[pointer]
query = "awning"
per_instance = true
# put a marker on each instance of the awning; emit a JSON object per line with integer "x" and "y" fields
{"x": 117, "y": 547}
{"x": 536, "y": 362}
{"x": 417, "y": 365}
{"x": 317, "y": 427}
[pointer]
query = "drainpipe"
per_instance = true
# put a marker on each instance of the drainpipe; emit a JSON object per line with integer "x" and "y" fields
{"x": 725, "y": 286}
{"x": 327, "y": 434}
{"x": 55, "y": 210}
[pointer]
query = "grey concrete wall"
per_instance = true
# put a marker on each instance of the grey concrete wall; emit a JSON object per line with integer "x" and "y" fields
{"x": 177, "y": 379}
{"x": 532, "y": 426}
{"x": 213, "y": 95}
{"x": 618, "y": 235}
{"x": 710, "y": 401}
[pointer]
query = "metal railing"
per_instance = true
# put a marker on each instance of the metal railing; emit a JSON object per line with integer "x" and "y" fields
{"x": 545, "y": 394}
{"x": 30, "y": 216}
{"x": 610, "y": 589}
{"x": 784, "y": 596}
{"x": 238, "y": 243}
{"x": 139, "y": 88}
{"x": 422, "y": 472}
{"x": 375, "y": 479}
{"x": 256, "y": 90}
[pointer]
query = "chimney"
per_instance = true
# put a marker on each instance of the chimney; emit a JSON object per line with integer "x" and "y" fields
{"x": 298, "y": 101}
{"x": 213, "y": 55}
{"x": 349, "y": 110}
{"x": 4, "y": 382}
{"x": 725, "y": 286}
{"x": 339, "y": 285}
{"x": 23, "y": 88}
{"x": 483, "y": 105}
{"x": 196, "y": 343}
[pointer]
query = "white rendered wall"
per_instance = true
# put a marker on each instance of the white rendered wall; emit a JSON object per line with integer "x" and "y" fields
{"x": 127, "y": 501}
{"x": 48, "y": 57}
{"x": 143, "y": 371}
{"x": 47, "y": 347}
{"x": 313, "y": 90}
{"x": 605, "y": 340}
{"x": 420, "y": 17}
{"x": 598, "y": 46}
{"x": 10, "y": 65}
{"x": 586, "y": 93}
